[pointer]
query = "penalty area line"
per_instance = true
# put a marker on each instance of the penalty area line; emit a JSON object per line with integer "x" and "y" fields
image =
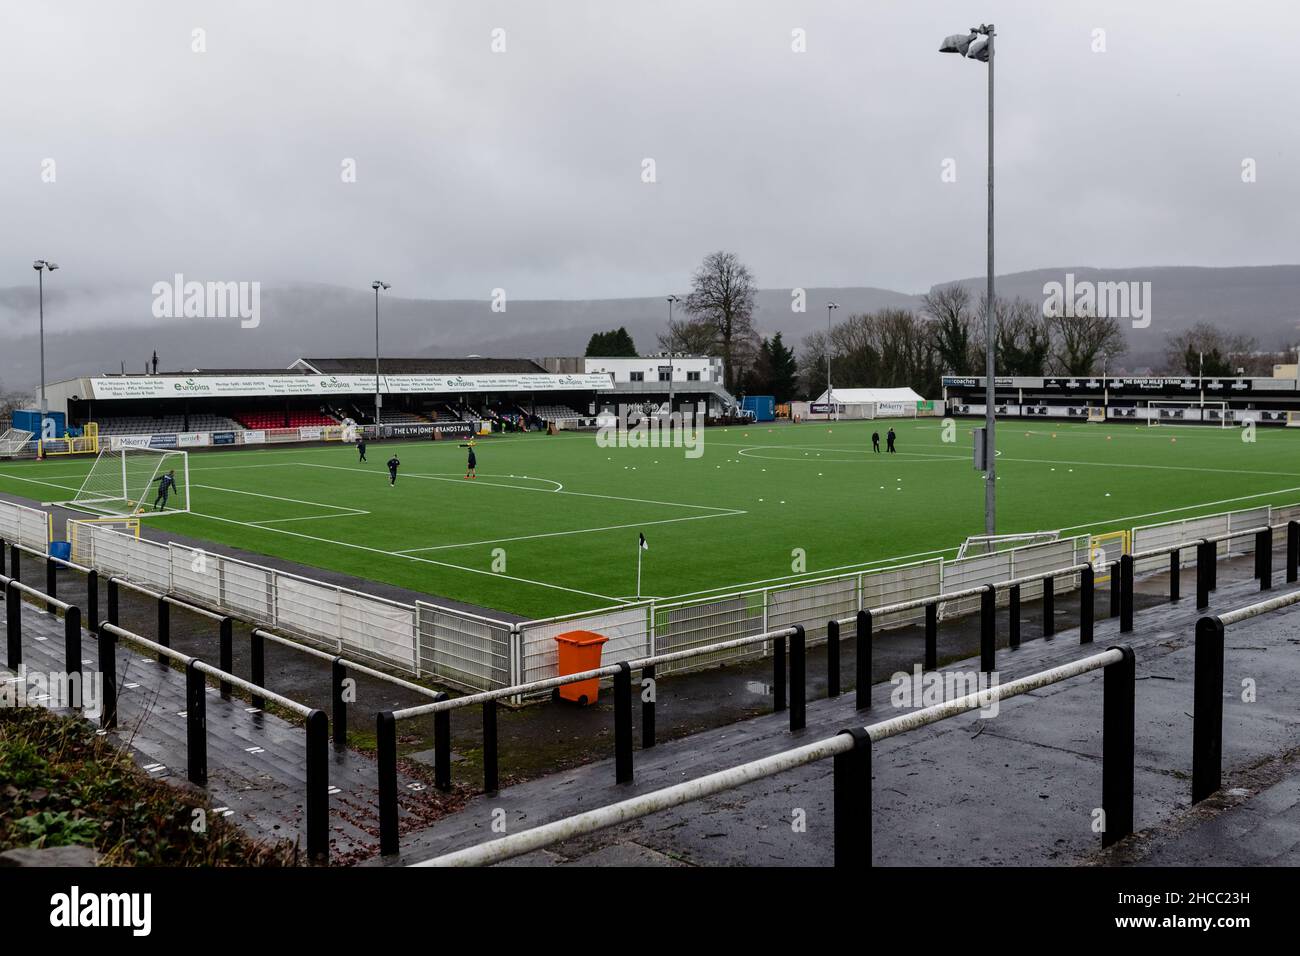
{"x": 559, "y": 534}
{"x": 409, "y": 557}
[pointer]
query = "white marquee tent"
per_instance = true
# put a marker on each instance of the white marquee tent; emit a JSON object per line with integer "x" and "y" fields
{"x": 873, "y": 396}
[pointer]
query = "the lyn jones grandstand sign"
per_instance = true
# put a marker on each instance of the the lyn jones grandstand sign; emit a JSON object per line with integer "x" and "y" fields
{"x": 218, "y": 386}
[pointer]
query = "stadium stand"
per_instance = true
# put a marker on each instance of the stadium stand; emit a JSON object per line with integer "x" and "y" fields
{"x": 260, "y": 419}
{"x": 473, "y": 365}
{"x": 556, "y": 413}
{"x": 165, "y": 424}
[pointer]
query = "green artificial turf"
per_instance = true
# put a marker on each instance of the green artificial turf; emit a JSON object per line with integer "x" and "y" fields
{"x": 565, "y": 512}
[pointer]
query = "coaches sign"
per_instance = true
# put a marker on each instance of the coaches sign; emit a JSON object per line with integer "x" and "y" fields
{"x": 218, "y": 386}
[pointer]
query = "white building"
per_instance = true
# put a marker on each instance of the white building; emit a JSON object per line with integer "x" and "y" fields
{"x": 658, "y": 368}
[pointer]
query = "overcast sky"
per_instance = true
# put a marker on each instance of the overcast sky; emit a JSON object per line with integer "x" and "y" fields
{"x": 523, "y": 169}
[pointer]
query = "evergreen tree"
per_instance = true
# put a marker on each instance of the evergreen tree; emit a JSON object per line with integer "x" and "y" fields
{"x": 614, "y": 344}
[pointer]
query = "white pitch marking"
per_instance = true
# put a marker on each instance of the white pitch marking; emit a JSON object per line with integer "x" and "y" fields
{"x": 410, "y": 557}
{"x": 581, "y": 494}
{"x": 296, "y": 501}
{"x": 557, "y": 534}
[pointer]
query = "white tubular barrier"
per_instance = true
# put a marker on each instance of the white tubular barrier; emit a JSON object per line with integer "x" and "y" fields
{"x": 302, "y": 710}
{"x": 548, "y": 834}
{"x": 123, "y": 634}
{"x": 607, "y": 670}
{"x": 919, "y": 602}
{"x": 351, "y": 665}
{"x": 1263, "y": 607}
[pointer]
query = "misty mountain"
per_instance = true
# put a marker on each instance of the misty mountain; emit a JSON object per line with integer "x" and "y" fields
{"x": 90, "y": 331}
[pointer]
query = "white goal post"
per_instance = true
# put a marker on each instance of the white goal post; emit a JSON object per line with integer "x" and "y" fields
{"x": 128, "y": 481}
{"x": 993, "y": 543}
{"x": 1188, "y": 412}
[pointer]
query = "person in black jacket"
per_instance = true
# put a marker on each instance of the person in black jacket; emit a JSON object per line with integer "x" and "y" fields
{"x": 392, "y": 471}
{"x": 875, "y": 442}
{"x": 889, "y": 442}
{"x": 165, "y": 485}
{"x": 361, "y": 449}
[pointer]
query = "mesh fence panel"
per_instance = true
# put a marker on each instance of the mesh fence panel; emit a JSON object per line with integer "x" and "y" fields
{"x": 196, "y": 574}
{"x": 26, "y": 526}
{"x": 1286, "y": 513}
{"x": 812, "y": 605}
{"x": 681, "y": 627}
{"x": 1189, "y": 530}
{"x": 1244, "y": 521}
{"x": 117, "y": 554}
{"x": 248, "y": 590}
{"x": 896, "y": 585}
{"x": 377, "y": 629}
{"x": 627, "y": 630}
{"x": 971, "y": 573}
{"x": 464, "y": 650}
{"x": 308, "y": 608}
{"x": 1046, "y": 557}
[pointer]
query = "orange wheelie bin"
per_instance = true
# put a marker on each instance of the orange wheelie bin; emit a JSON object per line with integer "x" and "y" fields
{"x": 579, "y": 651}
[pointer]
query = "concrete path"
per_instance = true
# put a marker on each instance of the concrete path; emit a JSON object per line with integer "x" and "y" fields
{"x": 1016, "y": 789}
{"x": 256, "y": 760}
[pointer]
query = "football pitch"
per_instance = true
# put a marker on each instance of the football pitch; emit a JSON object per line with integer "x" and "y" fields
{"x": 551, "y": 523}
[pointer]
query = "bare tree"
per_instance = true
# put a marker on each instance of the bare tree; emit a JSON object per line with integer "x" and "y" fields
{"x": 694, "y": 336}
{"x": 722, "y": 295}
{"x": 1221, "y": 352}
{"x": 954, "y": 333}
{"x": 10, "y": 402}
{"x": 1081, "y": 340}
{"x": 1023, "y": 338}
{"x": 887, "y": 349}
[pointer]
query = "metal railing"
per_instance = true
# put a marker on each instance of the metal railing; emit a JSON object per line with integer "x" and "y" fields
{"x": 386, "y": 721}
{"x": 864, "y": 622}
{"x": 12, "y": 588}
{"x": 851, "y": 752}
{"x": 1207, "y": 717}
{"x": 196, "y": 740}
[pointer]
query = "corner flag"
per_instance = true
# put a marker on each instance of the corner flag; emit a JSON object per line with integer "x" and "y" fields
{"x": 643, "y": 545}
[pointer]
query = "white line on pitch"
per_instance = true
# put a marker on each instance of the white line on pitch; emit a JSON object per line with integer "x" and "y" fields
{"x": 350, "y": 514}
{"x": 559, "y": 534}
{"x": 410, "y": 557}
{"x": 1169, "y": 511}
{"x": 296, "y": 501}
{"x": 580, "y": 494}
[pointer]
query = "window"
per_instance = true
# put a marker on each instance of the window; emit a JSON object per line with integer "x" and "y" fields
{"x": 692, "y": 376}
{"x": 665, "y": 376}
{"x": 638, "y": 376}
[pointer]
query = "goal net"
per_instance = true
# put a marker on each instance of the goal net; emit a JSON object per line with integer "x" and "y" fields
{"x": 128, "y": 481}
{"x": 17, "y": 443}
{"x": 993, "y": 543}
